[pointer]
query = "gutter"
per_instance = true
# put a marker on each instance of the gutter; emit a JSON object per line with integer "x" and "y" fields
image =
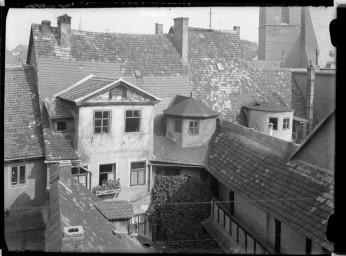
{"x": 22, "y": 158}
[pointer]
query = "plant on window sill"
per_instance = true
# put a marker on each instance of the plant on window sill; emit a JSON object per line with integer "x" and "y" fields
{"x": 108, "y": 187}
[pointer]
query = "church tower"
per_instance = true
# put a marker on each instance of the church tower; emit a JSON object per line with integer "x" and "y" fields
{"x": 280, "y": 35}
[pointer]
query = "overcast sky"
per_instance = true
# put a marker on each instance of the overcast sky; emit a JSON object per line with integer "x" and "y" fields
{"x": 132, "y": 20}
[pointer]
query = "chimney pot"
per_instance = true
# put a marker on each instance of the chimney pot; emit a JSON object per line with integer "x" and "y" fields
{"x": 64, "y": 31}
{"x": 45, "y": 29}
{"x": 181, "y": 34}
{"x": 158, "y": 29}
{"x": 73, "y": 239}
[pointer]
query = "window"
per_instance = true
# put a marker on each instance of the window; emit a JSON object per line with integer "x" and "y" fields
{"x": 60, "y": 126}
{"x": 285, "y": 15}
{"x": 80, "y": 174}
{"x": 177, "y": 126}
{"x": 138, "y": 223}
{"x": 18, "y": 175}
{"x": 193, "y": 127}
{"x": 107, "y": 172}
{"x": 101, "y": 121}
{"x": 133, "y": 120}
{"x": 286, "y": 123}
{"x": 137, "y": 173}
{"x": 118, "y": 92}
{"x": 274, "y": 121}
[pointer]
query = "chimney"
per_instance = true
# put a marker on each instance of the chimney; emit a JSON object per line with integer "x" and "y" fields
{"x": 158, "y": 29}
{"x": 237, "y": 29}
{"x": 45, "y": 25}
{"x": 310, "y": 88}
{"x": 73, "y": 239}
{"x": 181, "y": 34}
{"x": 64, "y": 31}
{"x": 65, "y": 174}
{"x": 270, "y": 129}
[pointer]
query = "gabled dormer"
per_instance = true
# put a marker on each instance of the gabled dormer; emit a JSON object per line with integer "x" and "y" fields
{"x": 189, "y": 122}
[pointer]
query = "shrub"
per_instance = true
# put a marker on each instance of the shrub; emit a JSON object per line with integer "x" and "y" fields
{"x": 107, "y": 185}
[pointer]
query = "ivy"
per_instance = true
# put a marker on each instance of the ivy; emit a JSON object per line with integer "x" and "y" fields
{"x": 179, "y": 203}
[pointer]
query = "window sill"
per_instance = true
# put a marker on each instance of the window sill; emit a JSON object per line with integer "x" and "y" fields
{"x": 137, "y": 185}
{"x": 17, "y": 185}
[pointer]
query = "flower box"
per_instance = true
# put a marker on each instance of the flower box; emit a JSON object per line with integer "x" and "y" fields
{"x": 107, "y": 192}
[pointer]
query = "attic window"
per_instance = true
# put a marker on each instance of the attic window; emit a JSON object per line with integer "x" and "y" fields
{"x": 219, "y": 66}
{"x": 118, "y": 92}
{"x": 201, "y": 36}
{"x": 60, "y": 126}
{"x": 138, "y": 73}
{"x": 274, "y": 121}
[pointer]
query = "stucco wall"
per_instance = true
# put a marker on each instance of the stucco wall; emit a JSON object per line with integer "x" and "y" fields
{"x": 31, "y": 194}
{"x": 259, "y": 120}
{"x": 116, "y": 146}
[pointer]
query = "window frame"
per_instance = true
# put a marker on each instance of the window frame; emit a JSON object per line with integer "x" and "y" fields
{"x": 288, "y": 123}
{"x": 123, "y": 95}
{"x": 140, "y": 119}
{"x": 277, "y": 123}
{"x": 193, "y": 128}
{"x": 180, "y": 126}
{"x": 109, "y": 121}
{"x": 114, "y": 171}
{"x": 56, "y": 126}
{"x": 138, "y": 223}
{"x": 138, "y": 171}
{"x": 18, "y": 175}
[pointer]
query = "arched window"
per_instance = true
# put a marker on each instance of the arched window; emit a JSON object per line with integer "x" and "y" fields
{"x": 285, "y": 15}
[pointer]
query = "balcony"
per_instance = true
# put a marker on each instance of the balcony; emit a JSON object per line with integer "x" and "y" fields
{"x": 232, "y": 235}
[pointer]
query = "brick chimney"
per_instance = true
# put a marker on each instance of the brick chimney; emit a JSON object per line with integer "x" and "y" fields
{"x": 181, "y": 34}
{"x": 65, "y": 173}
{"x": 237, "y": 29}
{"x": 45, "y": 25}
{"x": 64, "y": 31}
{"x": 158, "y": 29}
{"x": 310, "y": 88}
{"x": 73, "y": 239}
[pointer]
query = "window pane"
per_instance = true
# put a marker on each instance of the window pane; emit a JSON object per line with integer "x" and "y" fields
{"x": 141, "y": 177}
{"x": 75, "y": 170}
{"x": 98, "y": 122}
{"x": 61, "y": 126}
{"x": 137, "y": 113}
{"x": 105, "y": 122}
{"x": 129, "y": 113}
{"x": 132, "y": 125}
{"x": 106, "y": 168}
{"x": 98, "y": 114}
{"x": 22, "y": 175}
{"x": 97, "y": 129}
{"x": 105, "y": 114}
{"x": 110, "y": 176}
{"x": 103, "y": 177}
{"x": 14, "y": 176}
{"x": 138, "y": 165}
{"x": 134, "y": 177}
{"x": 105, "y": 129}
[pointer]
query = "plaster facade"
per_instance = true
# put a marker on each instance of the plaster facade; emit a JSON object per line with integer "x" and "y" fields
{"x": 116, "y": 147}
{"x": 30, "y": 194}
{"x": 259, "y": 120}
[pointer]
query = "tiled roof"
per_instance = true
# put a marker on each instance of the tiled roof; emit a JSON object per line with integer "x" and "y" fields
{"x": 266, "y": 106}
{"x": 58, "y": 146}
{"x": 166, "y": 150}
{"x": 298, "y": 194}
{"x": 158, "y": 116}
{"x": 74, "y": 207}
{"x": 114, "y": 210}
{"x": 57, "y": 108}
{"x": 228, "y": 90}
{"x": 22, "y": 120}
{"x": 190, "y": 107}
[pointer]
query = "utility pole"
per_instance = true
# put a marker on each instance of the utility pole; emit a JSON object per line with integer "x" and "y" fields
{"x": 210, "y": 19}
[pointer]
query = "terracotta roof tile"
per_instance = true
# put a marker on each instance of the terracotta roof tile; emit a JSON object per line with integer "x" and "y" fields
{"x": 299, "y": 190}
{"x": 114, "y": 210}
{"x": 76, "y": 207}
{"x": 22, "y": 120}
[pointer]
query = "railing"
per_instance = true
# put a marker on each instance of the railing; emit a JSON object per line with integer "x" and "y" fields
{"x": 238, "y": 232}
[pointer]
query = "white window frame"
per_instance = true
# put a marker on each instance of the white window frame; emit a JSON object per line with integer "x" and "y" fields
{"x": 193, "y": 128}
{"x": 284, "y": 124}
{"x": 114, "y": 172}
{"x": 109, "y": 121}
{"x": 18, "y": 167}
{"x": 56, "y": 125}
{"x": 140, "y": 119}
{"x": 137, "y": 170}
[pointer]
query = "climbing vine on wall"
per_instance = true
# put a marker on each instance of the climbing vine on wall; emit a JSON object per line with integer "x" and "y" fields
{"x": 179, "y": 204}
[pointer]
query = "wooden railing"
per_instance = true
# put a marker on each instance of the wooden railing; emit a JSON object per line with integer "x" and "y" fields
{"x": 237, "y": 231}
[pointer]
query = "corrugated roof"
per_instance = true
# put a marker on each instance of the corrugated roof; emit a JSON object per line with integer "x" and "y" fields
{"x": 269, "y": 107}
{"x": 23, "y": 136}
{"x": 190, "y": 107}
{"x": 114, "y": 210}
{"x": 74, "y": 207}
{"x": 298, "y": 194}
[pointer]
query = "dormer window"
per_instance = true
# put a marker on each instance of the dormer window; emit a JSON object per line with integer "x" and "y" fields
{"x": 219, "y": 66}
{"x": 60, "y": 126}
{"x": 138, "y": 73}
{"x": 118, "y": 93}
{"x": 193, "y": 127}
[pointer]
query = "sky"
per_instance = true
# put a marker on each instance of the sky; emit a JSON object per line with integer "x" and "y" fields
{"x": 132, "y": 20}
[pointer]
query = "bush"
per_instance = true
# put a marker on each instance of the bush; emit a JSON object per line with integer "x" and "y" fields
{"x": 107, "y": 185}
{"x": 179, "y": 204}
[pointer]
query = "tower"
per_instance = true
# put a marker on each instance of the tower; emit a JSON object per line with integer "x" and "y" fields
{"x": 279, "y": 37}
